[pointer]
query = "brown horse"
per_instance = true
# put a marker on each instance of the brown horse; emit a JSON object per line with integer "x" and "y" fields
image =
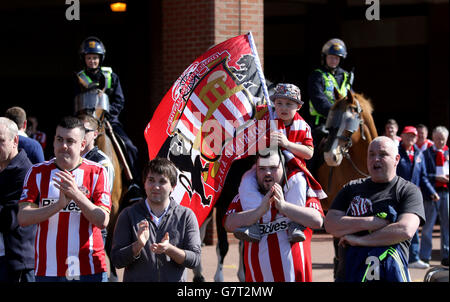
{"x": 351, "y": 129}
{"x": 105, "y": 144}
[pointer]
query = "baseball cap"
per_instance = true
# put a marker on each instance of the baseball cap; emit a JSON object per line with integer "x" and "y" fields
{"x": 410, "y": 129}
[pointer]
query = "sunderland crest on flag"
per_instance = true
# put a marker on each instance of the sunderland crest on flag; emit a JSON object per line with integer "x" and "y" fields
{"x": 209, "y": 118}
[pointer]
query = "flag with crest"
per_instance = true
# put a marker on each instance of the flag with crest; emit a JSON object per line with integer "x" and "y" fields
{"x": 209, "y": 118}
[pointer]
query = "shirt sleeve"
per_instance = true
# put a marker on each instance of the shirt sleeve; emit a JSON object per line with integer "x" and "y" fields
{"x": 234, "y": 207}
{"x": 102, "y": 195}
{"x": 425, "y": 184}
{"x": 307, "y": 139}
{"x": 342, "y": 200}
{"x": 107, "y": 164}
{"x": 300, "y": 133}
{"x": 316, "y": 88}
{"x": 297, "y": 190}
{"x": 192, "y": 241}
{"x": 122, "y": 249}
{"x": 117, "y": 98}
{"x": 411, "y": 201}
{"x": 314, "y": 202}
{"x": 30, "y": 190}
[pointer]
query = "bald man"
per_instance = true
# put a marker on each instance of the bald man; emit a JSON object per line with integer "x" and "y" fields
{"x": 375, "y": 219}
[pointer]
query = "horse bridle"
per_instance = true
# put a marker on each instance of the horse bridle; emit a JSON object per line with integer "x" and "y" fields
{"x": 352, "y": 124}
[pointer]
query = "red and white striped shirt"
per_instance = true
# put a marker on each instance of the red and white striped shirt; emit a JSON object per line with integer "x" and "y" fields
{"x": 274, "y": 258}
{"x": 298, "y": 132}
{"x": 41, "y": 137}
{"x": 425, "y": 145}
{"x": 67, "y": 244}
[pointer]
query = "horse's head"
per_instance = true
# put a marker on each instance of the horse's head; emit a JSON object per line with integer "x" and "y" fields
{"x": 93, "y": 102}
{"x": 344, "y": 119}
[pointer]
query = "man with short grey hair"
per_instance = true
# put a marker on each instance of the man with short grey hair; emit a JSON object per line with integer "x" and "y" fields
{"x": 375, "y": 219}
{"x": 16, "y": 242}
{"x": 437, "y": 162}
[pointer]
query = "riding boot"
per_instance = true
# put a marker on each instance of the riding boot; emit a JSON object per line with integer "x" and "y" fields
{"x": 130, "y": 151}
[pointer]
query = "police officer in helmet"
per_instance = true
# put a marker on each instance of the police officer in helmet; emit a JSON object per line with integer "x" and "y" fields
{"x": 321, "y": 84}
{"x": 96, "y": 76}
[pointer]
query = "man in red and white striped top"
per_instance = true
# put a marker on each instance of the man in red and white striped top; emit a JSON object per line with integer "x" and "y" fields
{"x": 274, "y": 258}
{"x": 423, "y": 143}
{"x": 68, "y": 197}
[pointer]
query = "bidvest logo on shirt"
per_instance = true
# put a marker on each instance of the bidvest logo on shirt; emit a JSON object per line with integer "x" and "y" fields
{"x": 70, "y": 207}
{"x": 273, "y": 226}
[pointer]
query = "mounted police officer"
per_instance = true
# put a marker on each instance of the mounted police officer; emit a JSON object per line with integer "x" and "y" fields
{"x": 323, "y": 81}
{"x": 321, "y": 84}
{"x": 96, "y": 76}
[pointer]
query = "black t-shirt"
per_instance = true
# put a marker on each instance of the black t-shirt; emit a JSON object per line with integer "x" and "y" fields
{"x": 363, "y": 197}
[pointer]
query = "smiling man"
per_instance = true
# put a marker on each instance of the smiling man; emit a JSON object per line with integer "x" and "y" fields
{"x": 375, "y": 218}
{"x": 156, "y": 239}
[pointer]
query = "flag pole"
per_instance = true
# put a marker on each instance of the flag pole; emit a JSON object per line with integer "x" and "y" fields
{"x": 266, "y": 94}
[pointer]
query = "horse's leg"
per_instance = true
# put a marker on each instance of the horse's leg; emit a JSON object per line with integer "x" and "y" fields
{"x": 222, "y": 242}
{"x": 104, "y": 144}
{"x": 241, "y": 269}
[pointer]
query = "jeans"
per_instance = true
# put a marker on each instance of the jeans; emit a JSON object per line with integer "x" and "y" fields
{"x": 7, "y": 274}
{"x": 100, "y": 277}
{"x": 414, "y": 248}
{"x": 432, "y": 210}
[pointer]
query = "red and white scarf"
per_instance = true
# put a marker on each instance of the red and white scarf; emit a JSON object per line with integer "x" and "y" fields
{"x": 299, "y": 132}
{"x": 441, "y": 166}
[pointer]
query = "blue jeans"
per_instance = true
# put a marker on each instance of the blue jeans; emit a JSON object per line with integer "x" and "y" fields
{"x": 7, "y": 274}
{"x": 414, "y": 248}
{"x": 100, "y": 277}
{"x": 432, "y": 210}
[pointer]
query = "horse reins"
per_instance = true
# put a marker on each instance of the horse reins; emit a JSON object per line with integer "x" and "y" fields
{"x": 345, "y": 152}
{"x": 348, "y": 145}
{"x": 348, "y": 157}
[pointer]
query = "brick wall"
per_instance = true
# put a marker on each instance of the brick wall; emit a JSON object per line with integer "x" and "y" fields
{"x": 237, "y": 17}
{"x": 187, "y": 31}
{"x": 189, "y": 28}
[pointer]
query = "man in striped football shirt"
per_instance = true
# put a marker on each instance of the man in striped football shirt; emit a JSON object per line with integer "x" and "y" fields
{"x": 273, "y": 258}
{"x": 68, "y": 198}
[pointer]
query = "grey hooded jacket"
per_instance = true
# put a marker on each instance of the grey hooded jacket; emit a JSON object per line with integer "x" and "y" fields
{"x": 183, "y": 229}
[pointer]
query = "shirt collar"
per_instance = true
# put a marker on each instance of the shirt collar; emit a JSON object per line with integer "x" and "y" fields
{"x": 152, "y": 215}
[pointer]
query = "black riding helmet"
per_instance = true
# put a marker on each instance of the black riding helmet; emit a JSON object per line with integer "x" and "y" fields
{"x": 92, "y": 45}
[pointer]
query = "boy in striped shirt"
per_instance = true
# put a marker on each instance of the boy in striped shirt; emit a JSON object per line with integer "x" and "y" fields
{"x": 292, "y": 134}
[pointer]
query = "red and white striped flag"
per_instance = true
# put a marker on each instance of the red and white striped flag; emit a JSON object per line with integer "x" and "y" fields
{"x": 208, "y": 119}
